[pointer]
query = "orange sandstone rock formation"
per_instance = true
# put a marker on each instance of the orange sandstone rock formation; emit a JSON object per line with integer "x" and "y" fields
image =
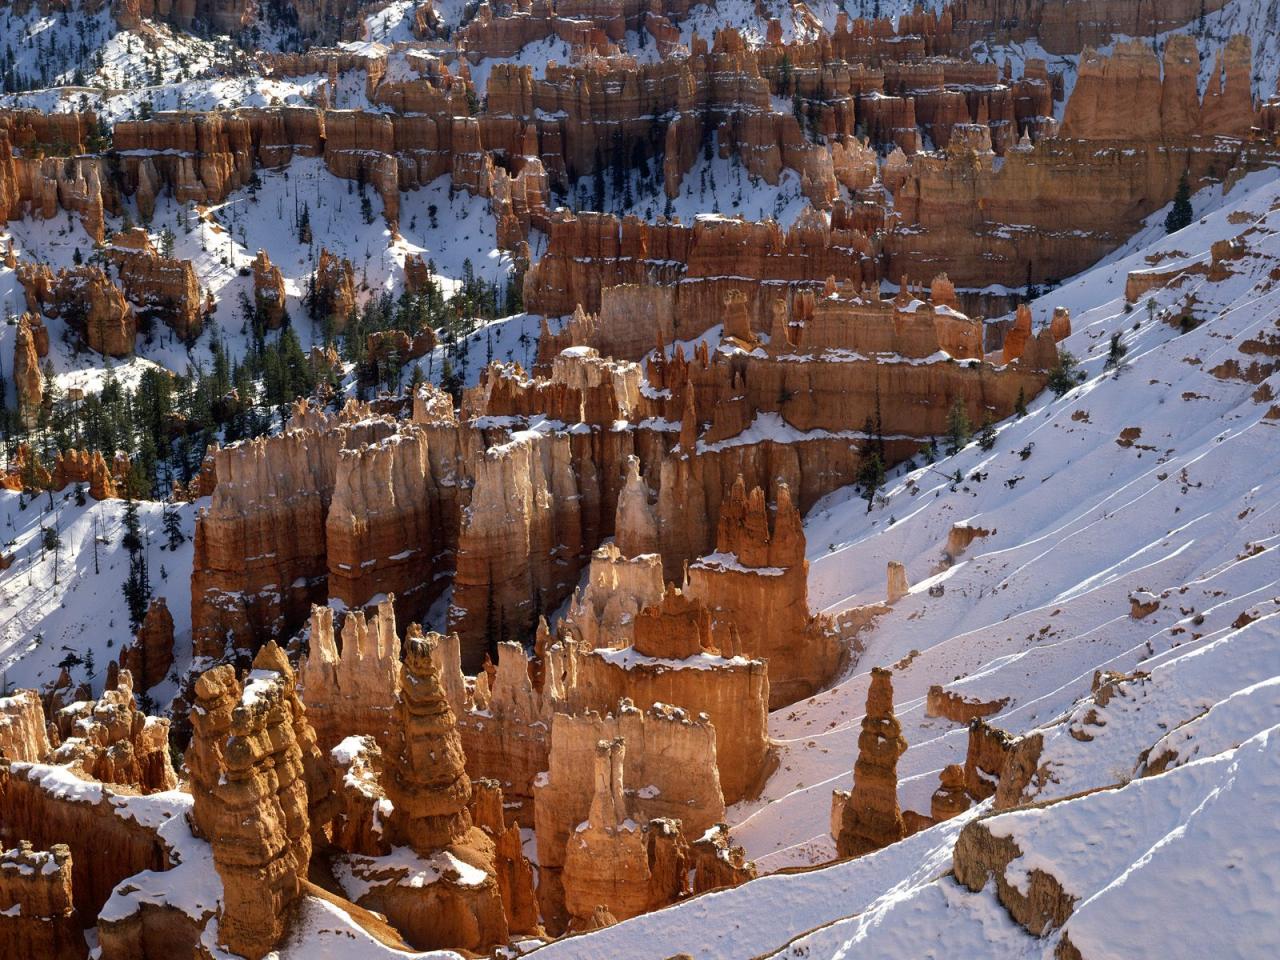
{"x": 755, "y": 583}
{"x": 427, "y": 780}
{"x": 37, "y": 914}
{"x": 150, "y": 656}
{"x": 872, "y": 818}
{"x": 23, "y": 735}
{"x": 249, "y": 783}
{"x": 352, "y": 692}
{"x": 268, "y": 291}
{"x": 671, "y": 755}
{"x": 110, "y": 740}
{"x": 615, "y": 862}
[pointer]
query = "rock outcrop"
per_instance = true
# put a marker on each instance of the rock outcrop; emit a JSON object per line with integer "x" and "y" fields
{"x": 671, "y": 755}
{"x": 352, "y": 692}
{"x": 872, "y": 818}
{"x": 150, "y": 656}
{"x": 111, "y": 740}
{"x": 612, "y": 861}
{"x": 335, "y": 290}
{"x": 37, "y": 913}
{"x": 161, "y": 288}
{"x": 251, "y": 803}
{"x": 674, "y": 660}
{"x": 88, "y": 301}
{"x": 28, "y": 379}
{"x": 427, "y": 780}
{"x": 23, "y": 734}
{"x": 754, "y": 584}
{"x": 268, "y": 291}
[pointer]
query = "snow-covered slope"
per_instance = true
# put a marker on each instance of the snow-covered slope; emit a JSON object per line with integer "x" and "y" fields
{"x": 1157, "y": 475}
{"x": 70, "y": 602}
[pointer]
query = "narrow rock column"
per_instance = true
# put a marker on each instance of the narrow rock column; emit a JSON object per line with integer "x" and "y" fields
{"x": 872, "y": 818}
{"x": 428, "y": 782}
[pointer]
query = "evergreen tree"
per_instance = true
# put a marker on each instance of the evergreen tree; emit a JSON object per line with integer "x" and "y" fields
{"x": 1116, "y": 352}
{"x": 958, "y": 428}
{"x": 1180, "y": 215}
{"x": 304, "y": 225}
{"x": 870, "y": 475}
{"x": 173, "y": 528}
{"x": 987, "y": 435}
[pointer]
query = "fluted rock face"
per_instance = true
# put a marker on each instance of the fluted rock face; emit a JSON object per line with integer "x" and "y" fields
{"x": 250, "y": 790}
{"x": 590, "y": 253}
{"x": 603, "y": 613}
{"x": 23, "y": 736}
{"x": 1062, "y": 202}
{"x": 37, "y": 915}
{"x": 111, "y": 740}
{"x": 335, "y": 290}
{"x": 675, "y": 661}
{"x": 28, "y": 381}
{"x": 427, "y": 781}
{"x": 150, "y": 656}
{"x": 453, "y": 898}
{"x": 755, "y": 584}
{"x": 268, "y": 291}
{"x": 260, "y": 551}
{"x": 667, "y": 751}
{"x": 391, "y": 523}
{"x": 352, "y": 692}
{"x": 81, "y": 466}
{"x": 637, "y": 527}
{"x": 521, "y": 541}
{"x": 1101, "y": 108}
{"x": 360, "y": 822}
{"x": 514, "y": 872}
{"x": 164, "y": 288}
{"x": 505, "y": 724}
{"x": 615, "y": 862}
{"x": 872, "y": 818}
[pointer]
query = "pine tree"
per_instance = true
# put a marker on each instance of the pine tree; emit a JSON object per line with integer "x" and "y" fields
{"x": 1020, "y": 408}
{"x": 987, "y": 435}
{"x": 870, "y": 475}
{"x": 173, "y": 528}
{"x": 1180, "y": 215}
{"x": 1116, "y": 352}
{"x": 958, "y": 428}
{"x": 304, "y": 225}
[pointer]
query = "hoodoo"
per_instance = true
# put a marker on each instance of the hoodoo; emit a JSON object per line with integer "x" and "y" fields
{"x": 463, "y": 464}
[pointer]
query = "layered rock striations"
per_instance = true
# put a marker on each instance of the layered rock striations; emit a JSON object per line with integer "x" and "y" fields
{"x": 111, "y": 740}
{"x": 615, "y": 862}
{"x": 754, "y": 585}
{"x": 23, "y": 734}
{"x": 674, "y": 660}
{"x": 352, "y": 692}
{"x": 671, "y": 755}
{"x": 161, "y": 288}
{"x": 250, "y": 752}
{"x": 872, "y": 818}
{"x": 37, "y": 913}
